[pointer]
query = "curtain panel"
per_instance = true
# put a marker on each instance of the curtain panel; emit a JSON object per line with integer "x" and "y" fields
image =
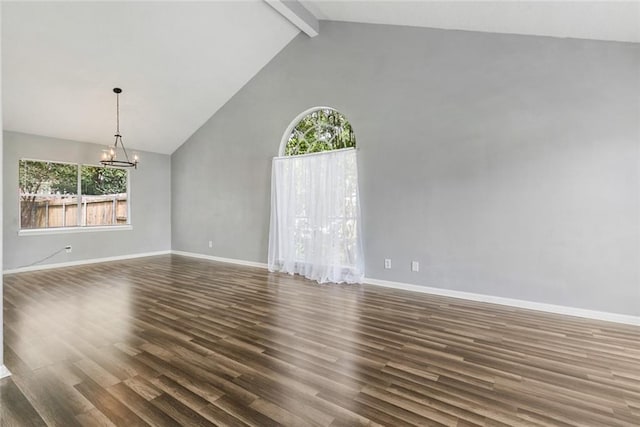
{"x": 315, "y": 217}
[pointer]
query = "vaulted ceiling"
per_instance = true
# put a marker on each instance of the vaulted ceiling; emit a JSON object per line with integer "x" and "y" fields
{"x": 179, "y": 62}
{"x": 598, "y": 20}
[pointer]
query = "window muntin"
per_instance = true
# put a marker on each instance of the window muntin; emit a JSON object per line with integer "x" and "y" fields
{"x": 322, "y": 129}
{"x": 56, "y": 195}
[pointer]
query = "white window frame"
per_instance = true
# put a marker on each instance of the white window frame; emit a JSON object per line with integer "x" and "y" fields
{"x": 294, "y": 123}
{"x": 77, "y": 228}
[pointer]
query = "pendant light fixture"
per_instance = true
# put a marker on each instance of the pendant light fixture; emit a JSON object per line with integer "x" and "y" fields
{"x": 109, "y": 156}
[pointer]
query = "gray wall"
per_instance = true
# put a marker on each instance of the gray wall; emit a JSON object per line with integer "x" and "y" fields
{"x": 150, "y": 187}
{"x": 1, "y": 232}
{"x": 506, "y": 165}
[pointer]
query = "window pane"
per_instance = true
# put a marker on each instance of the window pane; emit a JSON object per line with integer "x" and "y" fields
{"x": 324, "y": 129}
{"x": 104, "y": 196}
{"x": 48, "y": 196}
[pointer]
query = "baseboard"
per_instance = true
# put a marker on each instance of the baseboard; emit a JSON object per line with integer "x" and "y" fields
{"x": 511, "y": 302}
{"x": 84, "y": 261}
{"x": 220, "y": 259}
{"x": 4, "y": 372}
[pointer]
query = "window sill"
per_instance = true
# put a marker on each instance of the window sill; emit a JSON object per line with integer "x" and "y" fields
{"x": 68, "y": 230}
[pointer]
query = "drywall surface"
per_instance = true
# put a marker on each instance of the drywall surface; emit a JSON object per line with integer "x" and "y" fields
{"x": 2, "y": 368}
{"x": 150, "y": 190}
{"x": 506, "y": 165}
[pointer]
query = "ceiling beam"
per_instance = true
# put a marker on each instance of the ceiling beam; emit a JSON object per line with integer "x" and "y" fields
{"x": 299, "y": 16}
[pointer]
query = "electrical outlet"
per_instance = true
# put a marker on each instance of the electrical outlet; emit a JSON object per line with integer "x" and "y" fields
{"x": 387, "y": 263}
{"x": 68, "y": 248}
{"x": 415, "y": 266}
{"x": 210, "y": 243}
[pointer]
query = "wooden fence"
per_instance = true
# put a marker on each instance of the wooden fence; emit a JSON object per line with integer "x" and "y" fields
{"x": 56, "y": 211}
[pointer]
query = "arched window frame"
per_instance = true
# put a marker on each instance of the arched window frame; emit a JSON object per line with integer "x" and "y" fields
{"x": 315, "y": 220}
{"x": 285, "y": 137}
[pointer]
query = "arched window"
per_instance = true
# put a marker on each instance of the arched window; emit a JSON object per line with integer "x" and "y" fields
{"x": 315, "y": 212}
{"x": 318, "y": 129}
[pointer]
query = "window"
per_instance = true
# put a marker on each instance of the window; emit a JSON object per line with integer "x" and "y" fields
{"x": 58, "y": 195}
{"x": 322, "y": 129}
{"x": 315, "y": 212}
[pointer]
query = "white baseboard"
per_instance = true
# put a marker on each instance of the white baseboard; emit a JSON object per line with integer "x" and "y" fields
{"x": 511, "y": 302}
{"x": 84, "y": 261}
{"x": 220, "y": 259}
{"x": 4, "y": 372}
{"x": 530, "y": 305}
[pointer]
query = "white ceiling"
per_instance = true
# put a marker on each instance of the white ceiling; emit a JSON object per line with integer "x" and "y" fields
{"x": 179, "y": 62}
{"x": 599, "y": 20}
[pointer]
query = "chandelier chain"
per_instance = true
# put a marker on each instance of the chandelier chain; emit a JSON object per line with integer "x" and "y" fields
{"x": 118, "y": 113}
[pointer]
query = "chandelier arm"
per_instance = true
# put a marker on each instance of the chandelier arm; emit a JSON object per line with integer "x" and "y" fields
{"x": 126, "y": 156}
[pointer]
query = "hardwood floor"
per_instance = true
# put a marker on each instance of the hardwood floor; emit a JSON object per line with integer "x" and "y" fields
{"x": 172, "y": 341}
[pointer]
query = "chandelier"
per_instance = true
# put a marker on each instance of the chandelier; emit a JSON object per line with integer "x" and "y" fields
{"x": 109, "y": 156}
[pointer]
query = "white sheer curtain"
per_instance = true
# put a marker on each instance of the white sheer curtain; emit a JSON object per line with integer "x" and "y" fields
{"x": 315, "y": 217}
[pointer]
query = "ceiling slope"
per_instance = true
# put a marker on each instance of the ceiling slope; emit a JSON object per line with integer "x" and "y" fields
{"x": 598, "y": 20}
{"x": 177, "y": 64}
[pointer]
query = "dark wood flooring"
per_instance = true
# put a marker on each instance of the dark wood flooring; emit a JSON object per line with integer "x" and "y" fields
{"x": 169, "y": 341}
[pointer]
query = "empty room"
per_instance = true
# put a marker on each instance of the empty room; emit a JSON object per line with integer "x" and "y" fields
{"x": 320, "y": 213}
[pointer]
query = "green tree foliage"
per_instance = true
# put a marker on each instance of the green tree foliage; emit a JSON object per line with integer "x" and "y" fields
{"x": 47, "y": 178}
{"x": 44, "y": 178}
{"x": 321, "y": 130}
{"x": 100, "y": 180}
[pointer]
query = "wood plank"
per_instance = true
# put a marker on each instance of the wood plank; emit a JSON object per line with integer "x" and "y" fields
{"x": 171, "y": 340}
